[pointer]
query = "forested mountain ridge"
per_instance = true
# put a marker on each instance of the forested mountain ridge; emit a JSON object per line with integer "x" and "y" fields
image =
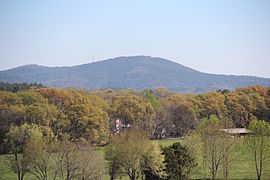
{"x": 133, "y": 72}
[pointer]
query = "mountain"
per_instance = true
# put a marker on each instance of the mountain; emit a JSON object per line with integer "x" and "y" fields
{"x": 134, "y": 72}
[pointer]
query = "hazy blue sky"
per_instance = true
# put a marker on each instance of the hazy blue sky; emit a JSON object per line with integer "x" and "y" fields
{"x": 215, "y": 36}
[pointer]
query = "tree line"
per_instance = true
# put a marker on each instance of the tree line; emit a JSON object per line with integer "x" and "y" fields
{"x": 92, "y": 115}
{"x": 42, "y": 125}
{"x": 15, "y": 87}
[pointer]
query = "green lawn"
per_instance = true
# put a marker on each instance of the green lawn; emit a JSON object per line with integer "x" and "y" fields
{"x": 242, "y": 168}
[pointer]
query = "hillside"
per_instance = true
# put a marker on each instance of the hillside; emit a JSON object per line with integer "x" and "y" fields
{"x": 135, "y": 72}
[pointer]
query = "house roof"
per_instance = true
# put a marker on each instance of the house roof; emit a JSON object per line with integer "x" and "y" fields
{"x": 237, "y": 131}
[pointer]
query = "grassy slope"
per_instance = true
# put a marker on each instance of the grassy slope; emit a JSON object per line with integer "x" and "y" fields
{"x": 242, "y": 167}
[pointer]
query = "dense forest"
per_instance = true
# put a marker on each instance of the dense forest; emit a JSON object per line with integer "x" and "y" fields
{"x": 53, "y": 133}
{"x": 92, "y": 115}
{"x": 18, "y": 86}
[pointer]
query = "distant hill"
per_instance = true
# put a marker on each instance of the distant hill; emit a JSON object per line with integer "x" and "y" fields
{"x": 134, "y": 72}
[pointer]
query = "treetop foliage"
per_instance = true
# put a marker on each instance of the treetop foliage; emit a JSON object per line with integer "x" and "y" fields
{"x": 15, "y": 87}
{"x": 92, "y": 114}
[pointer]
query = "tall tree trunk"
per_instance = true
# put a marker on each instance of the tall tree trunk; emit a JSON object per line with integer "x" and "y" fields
{"x": 18, "y": 167}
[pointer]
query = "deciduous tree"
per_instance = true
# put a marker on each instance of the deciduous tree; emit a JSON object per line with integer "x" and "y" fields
{"x": 258, "y": 143}
{"x": 133, "y": 110}
{"x": 212, "y": 144}
{"x": 77, "y": 160}
{"x": 17, "y": 138}
{"x": 134, "y": 154}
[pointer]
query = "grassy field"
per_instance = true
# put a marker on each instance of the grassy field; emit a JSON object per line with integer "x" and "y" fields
{"x": 242, "y": 168}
